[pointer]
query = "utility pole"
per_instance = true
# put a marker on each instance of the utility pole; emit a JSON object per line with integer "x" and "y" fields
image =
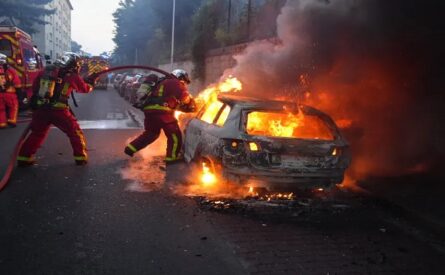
{"x": 136, "y": 56}
{"x": 229, "y": 16}
{"x": 249, "y": 5}
{"x": 173, "y": 35}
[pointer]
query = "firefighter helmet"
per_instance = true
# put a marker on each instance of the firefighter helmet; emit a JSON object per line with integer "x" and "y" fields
{"x": 3, "y": 59}
{"x": 181, "y": 75}
{"x": 69, "y": 61}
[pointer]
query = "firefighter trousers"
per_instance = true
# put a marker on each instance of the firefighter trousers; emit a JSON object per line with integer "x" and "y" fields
{"x": 153, "y": 125}
{"x": 9, "y": 107}
{"x": 42, "y": 119}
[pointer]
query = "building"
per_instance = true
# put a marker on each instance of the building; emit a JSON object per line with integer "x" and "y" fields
{"x": 54, "y": 38}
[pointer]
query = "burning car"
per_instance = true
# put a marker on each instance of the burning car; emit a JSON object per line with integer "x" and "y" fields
{"x": 267, "y": 143}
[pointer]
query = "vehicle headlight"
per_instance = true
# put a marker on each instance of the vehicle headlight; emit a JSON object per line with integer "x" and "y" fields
{"x": 253, "y": 146}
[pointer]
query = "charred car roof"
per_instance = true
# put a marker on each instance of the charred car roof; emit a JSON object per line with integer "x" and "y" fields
{"x": 245, "y": 102}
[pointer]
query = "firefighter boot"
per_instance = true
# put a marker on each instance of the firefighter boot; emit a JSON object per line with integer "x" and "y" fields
{"x": 129, "y": 151}
{"x": 25, "y": 163}
{"x": 81, "y": 162}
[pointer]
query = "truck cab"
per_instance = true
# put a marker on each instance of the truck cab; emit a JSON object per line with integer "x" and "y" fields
{"x": 22, "y": 55}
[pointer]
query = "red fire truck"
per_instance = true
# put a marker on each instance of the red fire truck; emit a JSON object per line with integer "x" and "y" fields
{"x": 18, "y": 46}
{"x": 95, "y": 64}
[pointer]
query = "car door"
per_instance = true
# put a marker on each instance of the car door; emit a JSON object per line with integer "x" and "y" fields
{"x": 202, "y": 132}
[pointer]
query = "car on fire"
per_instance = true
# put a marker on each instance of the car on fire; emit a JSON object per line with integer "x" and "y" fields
{"x": 264, "y": 143}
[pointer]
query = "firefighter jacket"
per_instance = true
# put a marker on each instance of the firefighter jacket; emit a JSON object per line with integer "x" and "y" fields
{"x": 9, "y": 80}
{"x": 167, "y": 96}
{"x": 52, "y": 88}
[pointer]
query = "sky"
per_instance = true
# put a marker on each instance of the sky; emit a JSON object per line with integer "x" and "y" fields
{"x": 92, "y": 24}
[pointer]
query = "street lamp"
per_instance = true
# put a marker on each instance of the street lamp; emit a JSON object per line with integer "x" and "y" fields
{"x": 173, "y": 36}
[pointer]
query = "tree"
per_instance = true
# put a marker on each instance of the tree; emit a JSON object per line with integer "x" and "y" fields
{"x": 25, "y": 13}
{"x": 205, "y": 25}
{"x": 143, "y": 27}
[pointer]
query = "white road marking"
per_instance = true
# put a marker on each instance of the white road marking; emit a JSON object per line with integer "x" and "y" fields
{"x": 108, "y": 124}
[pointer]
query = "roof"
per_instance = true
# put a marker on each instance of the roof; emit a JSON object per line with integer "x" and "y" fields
{"x": 266, "y": 104}
{"x": 69, "y": 4}
{"x": 250, "y": 102}
{"x": 15, "y": 30}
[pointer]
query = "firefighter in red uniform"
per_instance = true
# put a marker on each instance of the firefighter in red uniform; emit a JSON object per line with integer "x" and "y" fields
{"x": 167, "y": 96}
{"x": 10, "y": 85}
{"x": 51, "y": 91}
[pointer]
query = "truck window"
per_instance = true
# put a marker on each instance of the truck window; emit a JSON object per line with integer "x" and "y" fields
{"x": 6, "y": 47}
{"x": 29, "y": 58}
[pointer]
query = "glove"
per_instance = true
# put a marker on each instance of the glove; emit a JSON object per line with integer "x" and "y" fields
{"x": 189, "y": 107}
{"x": 91, "y": 79}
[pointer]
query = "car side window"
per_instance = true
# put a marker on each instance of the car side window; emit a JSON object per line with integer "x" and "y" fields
{"x": 29, "y": 58}
{"x": 224, "y": 113}
{"x": 212, "y": 111}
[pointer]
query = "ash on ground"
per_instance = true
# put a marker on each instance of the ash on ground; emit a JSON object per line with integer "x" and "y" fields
{"x": 281, "y": 206}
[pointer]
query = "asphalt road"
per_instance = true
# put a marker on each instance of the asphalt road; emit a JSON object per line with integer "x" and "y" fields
{"x": 119, "y": 216}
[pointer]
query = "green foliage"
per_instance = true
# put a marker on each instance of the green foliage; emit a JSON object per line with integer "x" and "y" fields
{"x": 144, "y": 27}
{"x": 223, "y": 37}
{"x": 205, "y": 23}
{"x": 25, "y": 13}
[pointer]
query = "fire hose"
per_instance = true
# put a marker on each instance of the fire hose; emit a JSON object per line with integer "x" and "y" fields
{"x": 25, "y": 133}
{"x": 11, "y": 163}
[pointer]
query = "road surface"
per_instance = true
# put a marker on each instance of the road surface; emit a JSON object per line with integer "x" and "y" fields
{"x": 120, "y": 216}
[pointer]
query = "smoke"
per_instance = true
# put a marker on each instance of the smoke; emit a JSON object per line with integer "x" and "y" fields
{"x": 373, "y": 63}
{"x": 144, "y": 169}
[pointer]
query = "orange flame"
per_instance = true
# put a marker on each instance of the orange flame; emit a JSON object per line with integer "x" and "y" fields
{"x": 207, "y": 177}
{"x": 210, "y": 94}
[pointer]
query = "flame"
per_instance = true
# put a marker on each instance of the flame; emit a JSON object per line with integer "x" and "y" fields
{"x": 278, "y": 196}
{"x": 207, "y": 177}
{"x": 275, "y": 125}
{"x": 287, "y": 125}
{"x": 210, "y": 94}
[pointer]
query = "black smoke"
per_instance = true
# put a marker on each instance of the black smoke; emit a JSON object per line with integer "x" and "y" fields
{"x": 377, "y": 63}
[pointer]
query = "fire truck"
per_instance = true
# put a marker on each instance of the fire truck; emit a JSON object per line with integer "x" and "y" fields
{"x": 96, "y": 64}
{"x": 22, "y": 55}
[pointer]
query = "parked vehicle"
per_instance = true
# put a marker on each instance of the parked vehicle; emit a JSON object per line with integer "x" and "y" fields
{"x": 272, "y": 144}
{"x": 22, "y": 55}
{"x": 132, "y": 87}
{"x": 117, "y": 79}
{"x": 121, "y": 85}
{"x": 124, "y": 85}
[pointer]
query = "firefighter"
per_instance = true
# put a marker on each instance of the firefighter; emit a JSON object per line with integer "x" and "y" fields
{"x": 168, "y": 95}
{"x": 51, "y": 91}
{"x": 10, "y": 85}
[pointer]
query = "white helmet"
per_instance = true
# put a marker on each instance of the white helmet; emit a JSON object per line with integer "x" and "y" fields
{"x": 69, "y": 61}
{"x": 181, "y": 75}
{"x": 3, "y": 59}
